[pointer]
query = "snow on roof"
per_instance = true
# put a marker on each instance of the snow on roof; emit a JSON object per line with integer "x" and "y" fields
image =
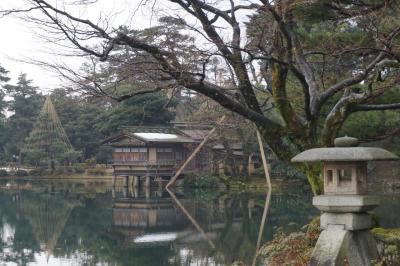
{"x": 156, "y": 136}
{"x": 151, "y": 238}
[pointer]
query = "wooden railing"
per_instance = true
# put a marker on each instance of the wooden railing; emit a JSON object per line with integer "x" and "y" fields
{"x": 147, "y": 163}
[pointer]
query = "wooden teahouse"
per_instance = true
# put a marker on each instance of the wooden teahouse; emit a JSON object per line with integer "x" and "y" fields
{"x": 154, "y": 152}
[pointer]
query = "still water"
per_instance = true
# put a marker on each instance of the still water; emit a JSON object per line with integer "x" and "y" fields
{"x": 70, "y": 223}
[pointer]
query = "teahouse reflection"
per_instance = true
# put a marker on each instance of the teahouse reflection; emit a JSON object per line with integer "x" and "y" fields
{"x": 146, "y": 214}
{"x": 155, "y": 216}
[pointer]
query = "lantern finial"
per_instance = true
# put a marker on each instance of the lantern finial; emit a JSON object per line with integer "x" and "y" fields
{"x": 346, "y": 142}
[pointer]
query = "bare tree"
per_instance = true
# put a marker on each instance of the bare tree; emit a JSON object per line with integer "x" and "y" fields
{"x": 269, "y": 57}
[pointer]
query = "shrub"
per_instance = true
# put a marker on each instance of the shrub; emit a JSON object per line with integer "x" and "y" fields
{"x": 79, "y": 169}
{"x": 287, "y": 250}
{"x": 91, "y": 163}
{"x": 57, "y": 171}
{"x": 389, "y": 241}
{"x": 201, "y": 181}
{"x": 96, "y": 171}
{"x": 293, "y": 249}
{"x": 69, "y": 170}
{"x": 3, "y": 172}
{"x": 38, "y": 172}
{"x": 204, "y": 195}
{"x": 21, "y": 173}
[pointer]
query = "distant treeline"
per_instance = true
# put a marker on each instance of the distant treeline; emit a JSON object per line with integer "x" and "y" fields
{"x": 87, "y": 120}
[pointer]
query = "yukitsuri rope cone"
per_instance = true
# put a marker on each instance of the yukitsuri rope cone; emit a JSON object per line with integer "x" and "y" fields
{"x": 47, "y": 138}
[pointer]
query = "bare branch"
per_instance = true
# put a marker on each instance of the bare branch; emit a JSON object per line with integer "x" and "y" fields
{"x": 393, "y": 133}
{"x": 376, "y": 107}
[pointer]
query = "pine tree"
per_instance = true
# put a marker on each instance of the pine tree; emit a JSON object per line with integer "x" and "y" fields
{"x": 24, "y": 108}
{"x": 48, "y": 142}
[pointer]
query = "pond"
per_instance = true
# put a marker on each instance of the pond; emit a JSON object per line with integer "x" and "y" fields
{"x": 90, "y": 223}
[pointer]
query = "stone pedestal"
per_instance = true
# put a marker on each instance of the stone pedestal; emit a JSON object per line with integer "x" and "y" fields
{"x": 350, "y": 221}
{"x": 345, "y": 234}
{"x": 345, "y": 203}
{"x": 335, "y": 244}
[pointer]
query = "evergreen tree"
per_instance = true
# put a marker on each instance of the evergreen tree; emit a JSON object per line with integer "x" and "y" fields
{"x": 3, "y": 106}
{"x": 148, "y": 109}
{"x": 3, "y": 79}
{"x": 24, "y": 106}
{"x": 77, "y": 114}
{"x": 48, "y": 142}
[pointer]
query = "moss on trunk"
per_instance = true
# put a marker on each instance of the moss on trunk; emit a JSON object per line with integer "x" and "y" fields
{"x": 314, "y": 177}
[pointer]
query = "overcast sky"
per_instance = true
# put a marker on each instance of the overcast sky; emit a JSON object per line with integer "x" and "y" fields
{"x": 20, "y": 42}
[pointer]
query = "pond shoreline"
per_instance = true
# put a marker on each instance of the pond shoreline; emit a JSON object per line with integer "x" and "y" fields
{"x": 56, "y": 178}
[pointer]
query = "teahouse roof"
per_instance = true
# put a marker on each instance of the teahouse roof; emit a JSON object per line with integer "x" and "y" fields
{"x": 151, "y": 134}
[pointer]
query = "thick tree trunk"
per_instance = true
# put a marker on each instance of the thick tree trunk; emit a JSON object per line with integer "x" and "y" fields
{"x": 314, "y": 177}
{"x": 285, "y": 150}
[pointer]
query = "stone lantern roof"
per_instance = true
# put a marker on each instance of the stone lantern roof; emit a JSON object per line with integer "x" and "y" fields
{"x": 345, "y": 150}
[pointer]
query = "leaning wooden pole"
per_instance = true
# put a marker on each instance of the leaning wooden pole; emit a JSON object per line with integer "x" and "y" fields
{"x": 198, "y": 148}
{"x": 190, "y": 217}
{"x": 267, "y": 199}
{"x": 264, "y": 160}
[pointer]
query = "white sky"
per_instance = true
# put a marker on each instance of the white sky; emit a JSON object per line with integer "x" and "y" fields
{"x": 19, "y": 41}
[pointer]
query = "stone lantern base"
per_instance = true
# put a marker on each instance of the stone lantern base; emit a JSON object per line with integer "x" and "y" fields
{"x": 345, "y": 234}
{"x": 336, "y": 244}
{"x": 350, "y": 221}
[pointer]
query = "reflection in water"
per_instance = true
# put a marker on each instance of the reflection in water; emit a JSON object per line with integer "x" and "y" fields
{"x": 190, "y": 217}
{"x": 79, "y": 224}
{"x": 268, "y": 197}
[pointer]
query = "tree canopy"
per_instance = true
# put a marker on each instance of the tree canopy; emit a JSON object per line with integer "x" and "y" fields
{"x": 24, "y": 109}
{"x": 87, "y": 120}
{"x": 297, "y": 69}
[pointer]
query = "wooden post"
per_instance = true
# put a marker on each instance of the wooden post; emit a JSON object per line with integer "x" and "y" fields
{"x": 147, "y": 182}
{"x": 250, "y": 165}
{"x": 113, "y": 192}
{"x": 135, "y": 182}
{"x": 159, "y": 183}
{"x": 198, "y": 148}
{"x": 126, "y": 191}
{"x": 131, "y": 181}
{"x": 268, "y": 197}
{"x": 264, "y": 160}
{"x": 147, "y": 192}
{"x": 136, "y": 192}
{"x": 114, "y": 180}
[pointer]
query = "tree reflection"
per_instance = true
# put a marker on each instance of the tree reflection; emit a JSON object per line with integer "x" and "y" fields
{"x": 143, "y": 227}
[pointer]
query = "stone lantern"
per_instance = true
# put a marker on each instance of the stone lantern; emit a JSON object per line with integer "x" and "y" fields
{"x": 345, "y": 202}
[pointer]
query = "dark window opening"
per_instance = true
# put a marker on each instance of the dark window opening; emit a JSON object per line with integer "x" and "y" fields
{"x": 329, "y": 175}
{"x": 165, "y": 154}
{"x": 178, "y": 156}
